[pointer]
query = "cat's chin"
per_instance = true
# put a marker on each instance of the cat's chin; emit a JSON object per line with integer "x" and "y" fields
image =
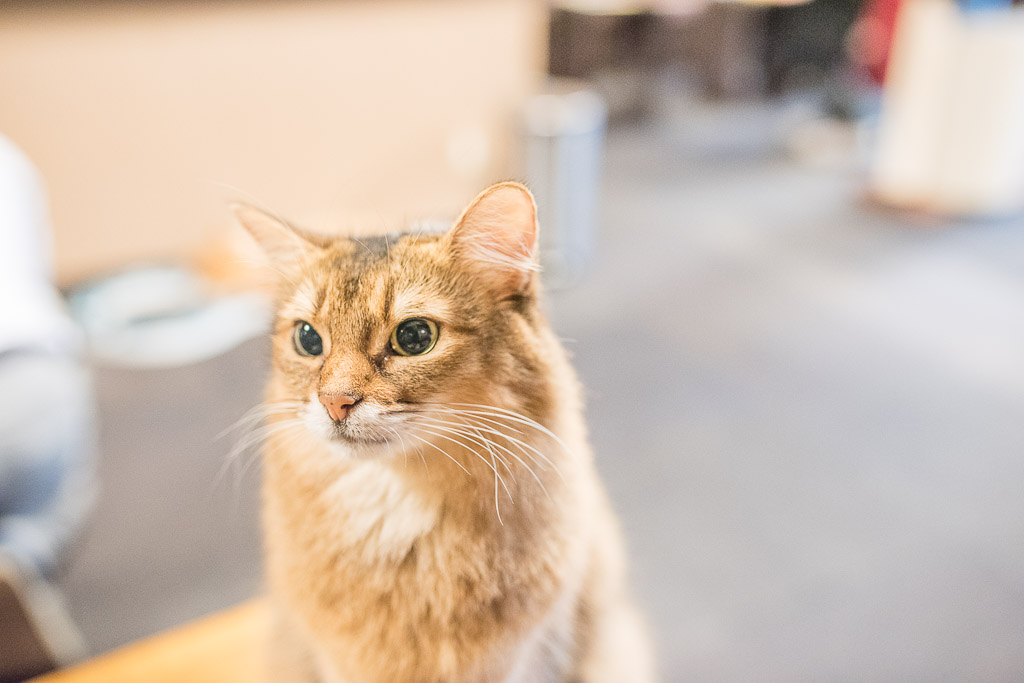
{"x": 359, "y": 448}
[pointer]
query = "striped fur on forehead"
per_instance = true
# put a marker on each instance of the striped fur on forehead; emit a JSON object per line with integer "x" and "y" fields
{"x": 394, "y": 276}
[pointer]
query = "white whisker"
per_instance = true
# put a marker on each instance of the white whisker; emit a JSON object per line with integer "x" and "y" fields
{"x": 495, "y": 415}
{"x": 485, "y": 443}
{"x": 491, "y": 464}
{"x": 461, "y": 429}
{"x": 260, "y": 435}
{"x": 490, "y": 443}
{"x": 442, "y": 451}
{"x": 405, "y": 451}
{"x": 528, "y": 422}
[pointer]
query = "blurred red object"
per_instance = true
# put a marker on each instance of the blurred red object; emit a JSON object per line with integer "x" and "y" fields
{"x": 870, "y": 39}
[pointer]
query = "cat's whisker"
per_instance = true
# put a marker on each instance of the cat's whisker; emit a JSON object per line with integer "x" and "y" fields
{"x": 425, "y": 468}
{"x": 231, "y": 458}
{"x": 419, "y": 452}
{"x": 248, "y": 418}
{"x": 494, "y": 418}
{"x": 524, "y": 448}
{"x": 287, "y": 436}
{"x": 405, "y": 452}
{"x": 405, "y": 449}
{"x": 527, "y": 450}
{"x": 497, "y": 508}
{"x": 497, "y": 478}
{"x": 513, "y": 415}
{"x": 362, "y": 244}
{"x": 489, "y": 443}
{"x": 518, "y": 418}
{"x": 474, "y": 420}
{"x": 246, "y": 445}
{"x": 453, "y": 428}
{"x": 503, "y": 425}
{"x": 492, "y": 465}
{"x": 387, "y": 442}
{"x": 257, "y": 436}
{"x": 290, "y": 429}
{"x": 489, "y": 420}
{"x": 250, "y": 434}
{"x": 453, "y": 440}
{"x": 442, "y": 451}
{"x": 465, "y": 429}
{"x": 260, "y": 412}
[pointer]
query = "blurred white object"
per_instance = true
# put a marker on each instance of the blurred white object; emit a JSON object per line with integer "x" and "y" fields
{"x": 162, "y": 317}
{"x": 31, "y": 313}
{"x": 564, "y": 130}
{"x": 950, "y": 136}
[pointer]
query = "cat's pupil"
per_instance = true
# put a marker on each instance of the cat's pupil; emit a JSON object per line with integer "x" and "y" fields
{"x": 415, "y": 336}
{"x": 307, "y": 340}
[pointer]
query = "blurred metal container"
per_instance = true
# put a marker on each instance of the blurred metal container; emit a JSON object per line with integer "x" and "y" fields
{"x": 564, "y": 129}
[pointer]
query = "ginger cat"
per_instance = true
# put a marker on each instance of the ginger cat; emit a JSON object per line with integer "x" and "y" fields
{"x": 431, "y": 510}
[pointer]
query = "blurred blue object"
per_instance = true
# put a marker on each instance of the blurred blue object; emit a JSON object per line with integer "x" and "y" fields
{"x": 565, "y": 133}
{"x": 984, "y": 5}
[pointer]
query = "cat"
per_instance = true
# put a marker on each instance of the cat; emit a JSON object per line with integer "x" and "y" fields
{"x": 431, "y": 510}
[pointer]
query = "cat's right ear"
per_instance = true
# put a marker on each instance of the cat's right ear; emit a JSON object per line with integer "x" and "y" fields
{"x": 281, "y": 243}
{"x": 496, "y": 235}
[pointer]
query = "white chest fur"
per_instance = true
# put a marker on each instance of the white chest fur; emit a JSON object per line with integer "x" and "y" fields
{"x": 379, "y": 514}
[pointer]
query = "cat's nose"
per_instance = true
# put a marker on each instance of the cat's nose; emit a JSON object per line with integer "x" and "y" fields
{"x": 338, "y": 405}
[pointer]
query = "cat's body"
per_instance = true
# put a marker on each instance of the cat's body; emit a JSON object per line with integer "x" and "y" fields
{"x": 435, "y": 516}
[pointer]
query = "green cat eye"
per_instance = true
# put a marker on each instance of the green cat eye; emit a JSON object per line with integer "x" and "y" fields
{"x": 414, "y": 337}
{"x": 307, "y": 340}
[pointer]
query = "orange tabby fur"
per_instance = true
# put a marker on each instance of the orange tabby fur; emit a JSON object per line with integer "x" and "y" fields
{"x": 428, "y": 538}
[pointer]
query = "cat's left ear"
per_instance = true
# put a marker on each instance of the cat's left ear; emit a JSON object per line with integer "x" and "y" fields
{"x": 282, "y": 244}
{"x": 497, "y": 237}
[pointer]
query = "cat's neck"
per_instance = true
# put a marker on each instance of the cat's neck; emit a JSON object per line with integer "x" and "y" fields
{"x": 379, "y": 508}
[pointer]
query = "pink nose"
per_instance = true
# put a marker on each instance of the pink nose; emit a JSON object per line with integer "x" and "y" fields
{"x": 338, "y": 405}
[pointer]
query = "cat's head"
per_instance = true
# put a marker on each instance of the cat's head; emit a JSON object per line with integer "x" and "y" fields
{"x": 394, "y": 340}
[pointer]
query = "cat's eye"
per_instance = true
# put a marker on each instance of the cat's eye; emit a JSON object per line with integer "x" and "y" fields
{"x": 307, "y": 340}
{"x": 414, "y": 337}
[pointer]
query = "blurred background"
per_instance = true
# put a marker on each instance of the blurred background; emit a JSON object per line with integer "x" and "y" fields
{"x": 784, "y": 242}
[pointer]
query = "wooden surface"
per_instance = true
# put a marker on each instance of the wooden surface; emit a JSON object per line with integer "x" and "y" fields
{"x": 227, "y": 647}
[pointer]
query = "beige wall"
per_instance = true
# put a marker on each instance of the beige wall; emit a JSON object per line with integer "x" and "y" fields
{"x": 146, "y": 118}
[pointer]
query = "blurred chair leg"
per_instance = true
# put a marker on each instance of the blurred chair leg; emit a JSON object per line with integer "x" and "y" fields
{"x": 46, "y": 490}
{"x": 35, "y": 629}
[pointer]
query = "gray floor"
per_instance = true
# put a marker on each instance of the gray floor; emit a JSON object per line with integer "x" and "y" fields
{"x": 174, "y": 536}
{"x": 809, "y": 413}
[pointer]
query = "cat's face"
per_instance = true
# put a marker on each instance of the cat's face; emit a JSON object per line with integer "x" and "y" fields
{"x": 383, "y": 342}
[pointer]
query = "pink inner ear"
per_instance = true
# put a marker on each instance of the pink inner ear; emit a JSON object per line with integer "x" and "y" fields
{"x": 498, "y": 232}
